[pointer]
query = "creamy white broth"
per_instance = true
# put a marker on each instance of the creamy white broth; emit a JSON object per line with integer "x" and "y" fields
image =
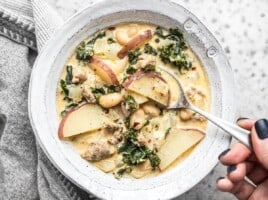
{"x": 194, "y": 81}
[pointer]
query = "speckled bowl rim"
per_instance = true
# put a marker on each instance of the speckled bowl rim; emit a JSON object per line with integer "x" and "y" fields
{"x": 42, "y": 103}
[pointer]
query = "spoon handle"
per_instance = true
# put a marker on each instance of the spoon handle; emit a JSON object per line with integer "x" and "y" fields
{"x": 237, "y": 132}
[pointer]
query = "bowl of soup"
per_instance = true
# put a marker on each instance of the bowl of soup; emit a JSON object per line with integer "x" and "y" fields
{"x": 98, "y": 98}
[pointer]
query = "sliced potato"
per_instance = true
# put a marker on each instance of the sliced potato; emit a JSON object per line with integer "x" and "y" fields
{"x": 135, "y": 42}
{"x": 177, "y": 142}
{"x": 150, "y": 84}
{"x": 105, "y": 50}
{"x": 107, "y": 165}
{"x": 104, "y": 71}
{"x": 86, "y": 118}
{"x": 141, "y": 170}
{"x": 140, "y": 99}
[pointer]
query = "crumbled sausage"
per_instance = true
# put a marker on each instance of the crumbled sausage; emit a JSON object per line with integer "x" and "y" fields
{"x": 79, "y": 75}
{"x": 146, "y": 60}
{"x": 141, "y": 139}
{"x": 195, "y": 94}
{"x": 87, "y": 94}
{"x": 197, "y": 97}
{"x": 116, "y": 138}
{"x": 97, "y": 151}
{"x": 117, "y": 133}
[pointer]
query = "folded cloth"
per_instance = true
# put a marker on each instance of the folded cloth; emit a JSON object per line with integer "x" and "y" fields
{"x": 25, "y": 171}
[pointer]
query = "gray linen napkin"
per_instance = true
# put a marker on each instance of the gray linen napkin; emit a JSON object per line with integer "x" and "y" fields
{"x": 25, "y": 171}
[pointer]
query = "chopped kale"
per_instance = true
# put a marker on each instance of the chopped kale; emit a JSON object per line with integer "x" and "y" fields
{"x": 69, "y": 75}
{"x": 173, "y": 34}
{"x": 128, "y": 146}
{"x": 67, "y": 99}
{"x": 72, "y": 105}
{"x": 159, "y": 32}
{"x": 131, "y": 104}
{"x": 125, "y": 76}
{"x": 64, "y": 87}
{"x": 131, "y": 134}
{"x": 113, "y": 88}
{"x": 157, "y": 40}
{"x": 176, "y": 35}
{"x": 167, "y": 132}
{"x": 133, "y": 56}
{"x": 100, "y": 35}
{"x": 63, "y": 113}
{"x": 106, "y": 89}
{"x": 146, "y": 123}
{"x": 69, "y": 107}
{"x": 172, "y": 53}
{"x": 154, "y": 159}
{"x": 131, "y": 69}
{"x": 134, "y": 154}
{"x": 149, "y": 68}
{"x": 98, "y": 92}
{"x": 122, "y": 171}
{"x": 148, "y": 49}
{"x": 111, "y": 41}
{"x": 85, "y": 50}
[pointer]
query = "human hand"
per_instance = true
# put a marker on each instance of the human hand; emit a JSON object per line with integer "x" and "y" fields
{"x": 242, "y": 162}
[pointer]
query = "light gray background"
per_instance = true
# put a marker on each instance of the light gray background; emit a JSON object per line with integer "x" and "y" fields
{"x": 241, "y": 27}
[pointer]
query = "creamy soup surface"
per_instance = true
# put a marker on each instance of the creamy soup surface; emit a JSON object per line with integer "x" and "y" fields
{"x": 112, "y": 95}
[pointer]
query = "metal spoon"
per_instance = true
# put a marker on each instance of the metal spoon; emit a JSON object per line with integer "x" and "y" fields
{"x": 237, "y": 132}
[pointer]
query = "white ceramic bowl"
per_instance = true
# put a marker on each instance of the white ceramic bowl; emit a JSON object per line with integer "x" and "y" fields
{"x": 47, "y": 70}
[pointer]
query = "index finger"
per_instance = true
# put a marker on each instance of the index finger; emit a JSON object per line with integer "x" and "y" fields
{"x": 246, "y": 123}
{"x": 237, "y": 154}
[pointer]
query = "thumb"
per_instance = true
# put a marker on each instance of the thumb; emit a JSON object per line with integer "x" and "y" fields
{"x": 259, "y": 136}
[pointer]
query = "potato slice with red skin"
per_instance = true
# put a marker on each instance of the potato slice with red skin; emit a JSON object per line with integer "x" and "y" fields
{"x": 149, "y": 84}
{"x": 103, "y": 71}
{"x": 178, "y": 141}
{"x": 85, "y": 118}
{"x": 134, "y": 43}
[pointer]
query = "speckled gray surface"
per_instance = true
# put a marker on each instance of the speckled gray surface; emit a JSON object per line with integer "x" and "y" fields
{"x": 241, "y": 28}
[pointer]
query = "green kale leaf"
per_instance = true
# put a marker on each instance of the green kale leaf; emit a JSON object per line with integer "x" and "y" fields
{"x": 85, "y": 50}
{"x": 130, "y": 103}
{"x": 133, "y": 56}
{"x": 131, "y": 69}
{"x": 69, "y": 75}
{"x": 148, "y": 49}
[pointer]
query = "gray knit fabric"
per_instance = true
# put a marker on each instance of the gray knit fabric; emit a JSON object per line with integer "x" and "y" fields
{"x": 25, "y": 171}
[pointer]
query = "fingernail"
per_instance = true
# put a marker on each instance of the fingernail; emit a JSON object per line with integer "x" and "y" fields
{"x": 218, "y": 179}
{"x": 261, "y": 127}
{"x": 241, "y": 118}
{"x": 223, "y": 153}
{"x": 231, "y": 168}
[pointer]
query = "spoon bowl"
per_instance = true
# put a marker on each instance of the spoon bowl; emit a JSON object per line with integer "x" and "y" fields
{"x": 237, "y": 132}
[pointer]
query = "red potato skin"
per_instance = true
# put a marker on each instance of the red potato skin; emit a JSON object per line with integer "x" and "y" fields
{"x": 95, "y": 62}
{"x": 62, "y": 122}
{"x": 140, "y": 74}
{"x": 134, "y": 43}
